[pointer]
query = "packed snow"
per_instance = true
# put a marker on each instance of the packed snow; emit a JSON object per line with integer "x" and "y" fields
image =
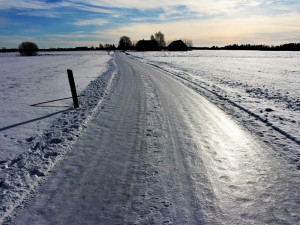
{"x": 260, "y": 90}
{"x": 158, "y": 152}
{"x": 265, "y": 85}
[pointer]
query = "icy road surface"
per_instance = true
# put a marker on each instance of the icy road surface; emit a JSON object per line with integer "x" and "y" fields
{"x": 159, "y": 153}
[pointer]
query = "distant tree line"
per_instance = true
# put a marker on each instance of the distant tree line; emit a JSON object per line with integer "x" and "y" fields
{"x": 284, "y": 47}
{"x": 157, "y": 42}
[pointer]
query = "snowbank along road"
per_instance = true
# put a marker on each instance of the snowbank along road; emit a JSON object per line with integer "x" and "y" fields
{"x": 159, "y": 153}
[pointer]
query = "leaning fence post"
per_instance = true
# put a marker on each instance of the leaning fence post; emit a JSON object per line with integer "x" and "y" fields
{"x": 73, "y": 88}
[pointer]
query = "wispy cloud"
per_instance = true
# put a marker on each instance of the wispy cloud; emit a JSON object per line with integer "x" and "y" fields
{"x": 204, "y": 21}
{"x": 22, "y": 4}
{"x": 170, "y": 8}
{"x": 93, "y": 8}
{"x": 45, "y": 9}
{"x": 253, "y": 29}
{"x": 98, "y": 22}
{"x": 41, "y": 13}
{"x": 74, "y": 35}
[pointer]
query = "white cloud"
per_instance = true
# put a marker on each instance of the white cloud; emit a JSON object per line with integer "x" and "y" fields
{"x": 221, "y": 31}
{"x": 44, "y": 6}
{"x": 41, "y": 13}
{"x": 94, "y": 9}
{"x": 214, "y": 21}
{"x": 27, "y": 4}
{"x": 204, "y": 7}
{"x": 170, "y": 7}
{"x": 98, "y": 22}
{"x": 70, "y": 36}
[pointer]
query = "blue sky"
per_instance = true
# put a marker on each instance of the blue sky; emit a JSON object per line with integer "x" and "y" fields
{"x": 70, "y": 23}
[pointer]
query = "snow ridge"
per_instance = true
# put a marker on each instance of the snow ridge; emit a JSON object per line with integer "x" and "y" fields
{"x": 20, "y": 177}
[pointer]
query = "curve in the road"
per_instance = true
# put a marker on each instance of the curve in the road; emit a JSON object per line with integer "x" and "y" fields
{"x": 159, "y": 153}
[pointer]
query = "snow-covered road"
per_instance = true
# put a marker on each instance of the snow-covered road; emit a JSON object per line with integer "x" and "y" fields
{"x": 159, "y": 153}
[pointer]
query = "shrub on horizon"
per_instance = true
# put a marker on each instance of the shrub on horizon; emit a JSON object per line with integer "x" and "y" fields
{"x": 28, "y": 48}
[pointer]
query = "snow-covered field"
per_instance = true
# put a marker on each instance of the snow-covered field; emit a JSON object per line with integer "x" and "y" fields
{"x": 258, "y": 89}
{"x": 158, "y": 152}
{"x": 265, "y": 85}
{"x": 34, "y": 138}
{"x": 29, "y": 80}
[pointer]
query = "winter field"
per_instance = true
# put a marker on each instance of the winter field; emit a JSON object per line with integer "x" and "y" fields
{"x": 34, "y": 138}
{"x": 29, "y": 80}
{"x": 259, "y": 90}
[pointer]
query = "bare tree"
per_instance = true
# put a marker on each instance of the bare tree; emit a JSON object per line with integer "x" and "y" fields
{"x": 108, "y": 48}
{"x": 160, "y": 38}
{"x": 188, "y": 42}
{"x": 28, "y": 48}
{"x": 125, "y": 43}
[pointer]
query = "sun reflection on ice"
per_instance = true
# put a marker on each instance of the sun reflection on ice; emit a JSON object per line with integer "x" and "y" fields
{"x": 247, "y": 180}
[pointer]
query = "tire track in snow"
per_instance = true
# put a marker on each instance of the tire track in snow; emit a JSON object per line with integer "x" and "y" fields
{"x": 247, "y": 183}
{"x": 193, "y": 85}
{"x": 270, "y": 134}
{"x": 159, "y": 153}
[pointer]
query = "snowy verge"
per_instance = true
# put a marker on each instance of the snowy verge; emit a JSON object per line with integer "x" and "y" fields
{"x": 20, "y": 176}
{"x": 25, "y": 81}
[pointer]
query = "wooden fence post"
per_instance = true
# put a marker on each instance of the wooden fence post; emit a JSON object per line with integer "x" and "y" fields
{"x": 73, "y": 88}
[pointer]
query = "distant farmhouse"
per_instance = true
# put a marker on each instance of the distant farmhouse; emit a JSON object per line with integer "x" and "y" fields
{"x": 152, "y": 45}
{"x": 178, "y": 45}
{"x": 147, "y": 45}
